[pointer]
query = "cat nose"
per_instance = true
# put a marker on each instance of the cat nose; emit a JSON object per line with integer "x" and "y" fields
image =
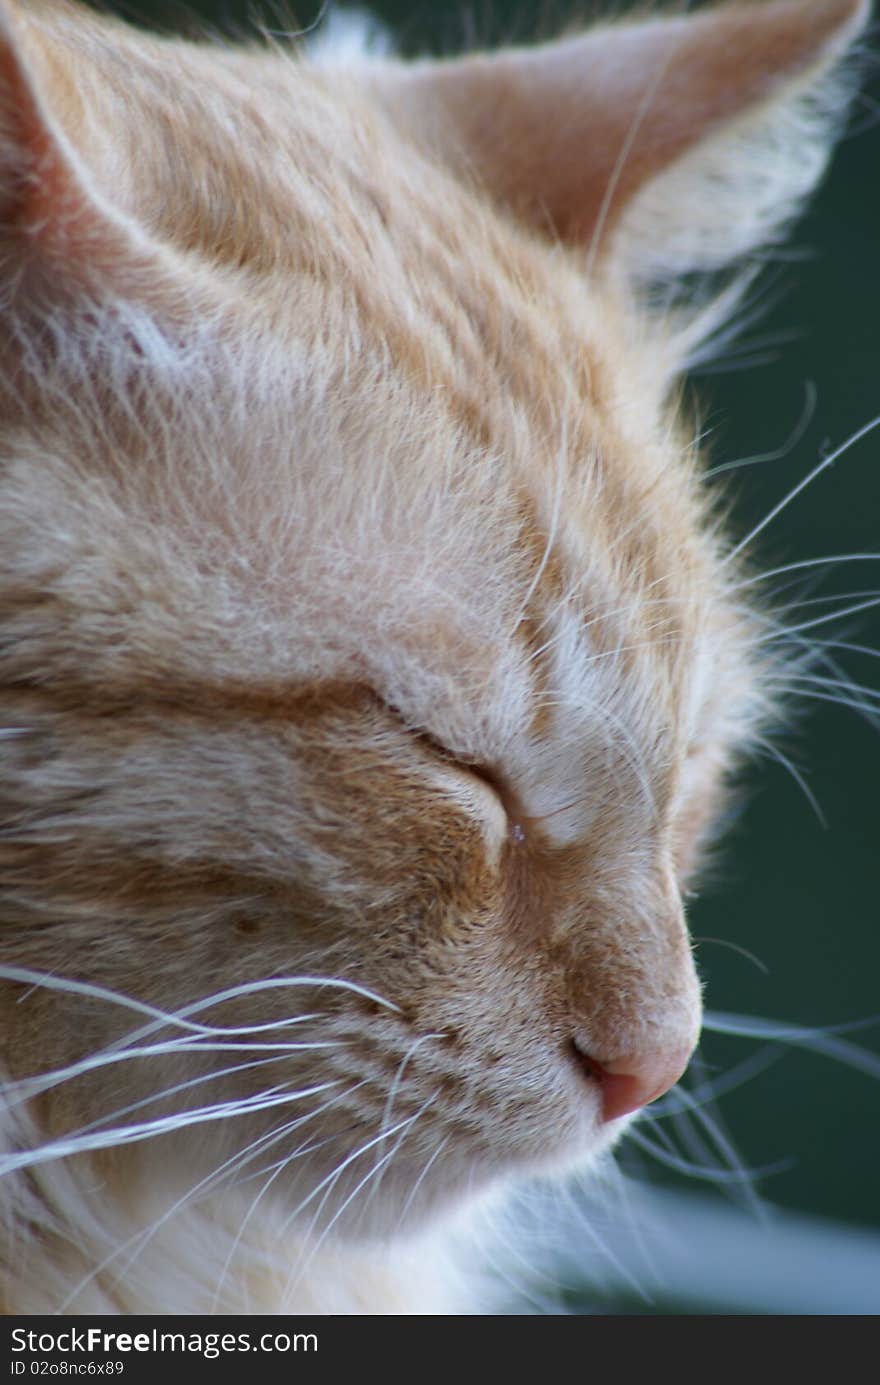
{"x": 628, "y": 1083}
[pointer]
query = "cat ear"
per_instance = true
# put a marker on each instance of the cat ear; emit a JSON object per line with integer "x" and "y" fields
{"x": 56, "y": 226}
{"x": 681, "y": 143}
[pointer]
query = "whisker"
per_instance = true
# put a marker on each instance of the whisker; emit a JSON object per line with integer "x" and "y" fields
{"x": 639, "y": 644}
{"x": 175, "y": 1090}
{"x": 395, "y": 1086}
{"x": 827, "y": 600}
{"x": 145, "y": 1130}
{"x": 276, "y": 1171}
{"x": 51, "y": 982}
{"x": 774, "y": 753}
{"x": 807, "y": 480}
{"x": 803, "y": 564}
{"x": 640, "y": 114}
{"x": 777, "y": 453}
{"x": 377, "y": 1169}
{"x": 709, "y": 1089}
{"x": 846, "y": 684}
{"x": 141, "y": 1238}
{"x": 739, "y": 1177}
{"x": 598, "y": 617}
{"x": 736, "y": 947}
{"x": 698, "y": 1112}
{"x": 852, "y": 648}
{"x": 411, "y": 1196}
{"x": 872, "y": 713}
{"x": 26, "y": 1088}
{"x": 826, "y": 1042}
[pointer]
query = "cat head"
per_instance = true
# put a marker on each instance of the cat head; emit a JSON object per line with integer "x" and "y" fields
{"x": 373, "y": 659}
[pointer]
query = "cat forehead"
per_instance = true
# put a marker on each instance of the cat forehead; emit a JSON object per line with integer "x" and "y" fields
{"x": 416, "y": 446}
{"x": 538, "y": 594}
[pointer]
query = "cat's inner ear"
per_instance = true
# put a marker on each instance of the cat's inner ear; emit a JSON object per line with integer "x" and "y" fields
{"x": 55, "y": 224}
{"x": 713, "y": 114}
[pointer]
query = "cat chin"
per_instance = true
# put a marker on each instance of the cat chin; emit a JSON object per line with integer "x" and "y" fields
{"x": 414, "y": 1198}
{"x": 460, "y": 1200}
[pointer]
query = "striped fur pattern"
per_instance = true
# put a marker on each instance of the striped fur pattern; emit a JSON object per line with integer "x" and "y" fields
{"x": 373, "y": 656}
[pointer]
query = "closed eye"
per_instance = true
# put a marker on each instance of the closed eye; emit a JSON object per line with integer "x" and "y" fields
{"x": 483, "y": 773}
{"x": 488, "y": 776}
{"x": 514, "y": 818}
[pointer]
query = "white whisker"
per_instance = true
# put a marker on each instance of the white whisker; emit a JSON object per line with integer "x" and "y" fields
{"x": 26, "y": 1088}
{"x": 395, "y": 1086}
{"x": 164, "y": 1093}
{"x": 147, "y": 1130}
{"x": 331, "y": 1178}
{"x": 777, "y": 453}
{"x": 738, "y": 1177}
{"x": 811, "y": 476}
{"x": 710, "y": 1089}
{"x": 805, "y": 564}
{"x": 774, "y": 753}
{"x": 179, "y": 1019}
{"x": 375, "y": 1171}
{"x": 826, "y": 1042}
{"x": 426, "y": 1169}
{"x": 735, "y": 947}
{"x": 141, "y": 1238}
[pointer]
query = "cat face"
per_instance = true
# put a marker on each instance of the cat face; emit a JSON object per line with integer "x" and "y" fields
{"x": 372, "y": 663}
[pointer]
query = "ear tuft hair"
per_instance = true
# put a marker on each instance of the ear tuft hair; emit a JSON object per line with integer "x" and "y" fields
{"x": 59, "y": 230}
{"x": 737, "y": 189}
{"x": 668, "y": 145}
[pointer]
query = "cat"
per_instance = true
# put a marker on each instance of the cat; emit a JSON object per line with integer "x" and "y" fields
{"x": 374, "y": 657}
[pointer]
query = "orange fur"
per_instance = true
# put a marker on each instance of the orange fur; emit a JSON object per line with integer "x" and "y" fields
{"x": 364, "y": 618}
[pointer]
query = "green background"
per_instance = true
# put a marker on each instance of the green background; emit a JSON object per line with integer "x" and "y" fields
{"x": 800, "y": 896}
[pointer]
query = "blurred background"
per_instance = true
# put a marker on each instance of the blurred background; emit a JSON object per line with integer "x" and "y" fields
{"x": 775, "y": 1206}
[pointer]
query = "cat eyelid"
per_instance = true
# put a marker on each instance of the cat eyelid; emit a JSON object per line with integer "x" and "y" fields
{"x": 474, "y": 768}
{"x": 486, "y": 774}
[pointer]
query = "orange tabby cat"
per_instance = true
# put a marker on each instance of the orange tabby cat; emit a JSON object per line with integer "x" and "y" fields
{"x": 372, "y": 661}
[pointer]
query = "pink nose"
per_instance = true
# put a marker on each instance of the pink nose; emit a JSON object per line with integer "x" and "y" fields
{"x": 628, "y": 1083}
